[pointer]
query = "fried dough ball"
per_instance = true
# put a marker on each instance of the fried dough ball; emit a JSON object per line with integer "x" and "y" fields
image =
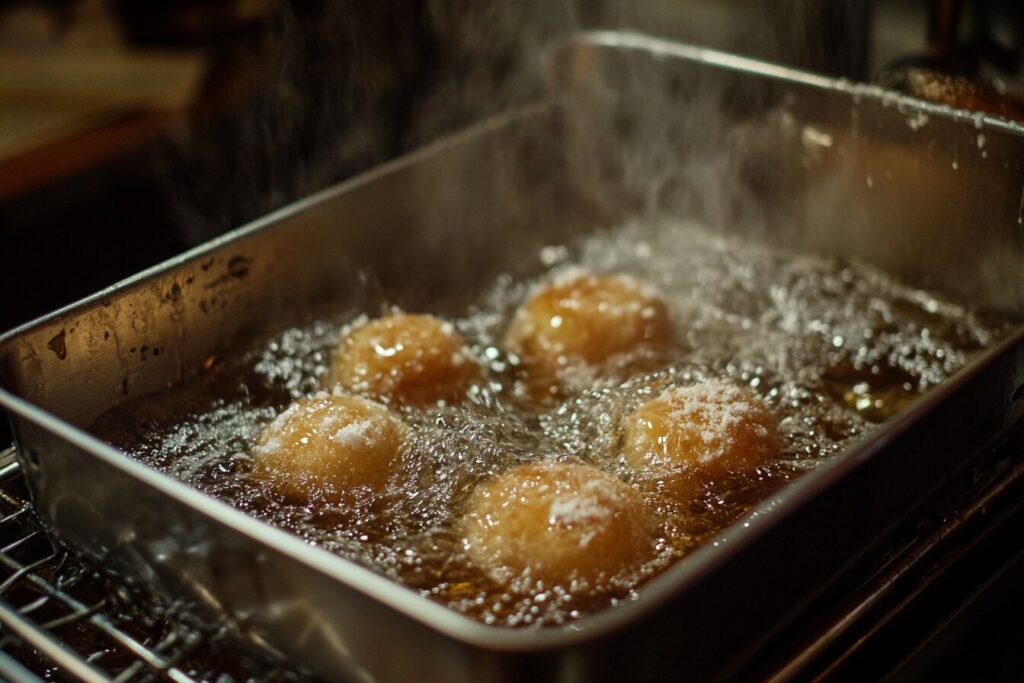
{"x": 331, "y": 447}
{"x": 584, "y": 321}
{"x": 691, "y": 435}
{"x": 557, "y": 523}
{"x": 407, "y": 359}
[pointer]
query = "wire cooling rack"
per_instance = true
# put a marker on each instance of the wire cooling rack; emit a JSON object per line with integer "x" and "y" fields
{"x": 62, "y": 619}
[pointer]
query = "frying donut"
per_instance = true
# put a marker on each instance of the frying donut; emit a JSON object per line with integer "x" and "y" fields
{"x": 405, "y": 359}
{"x": 583, "y": 322}
{"x": 695, "y": 434}
{"x": 557, "y": 523}
{"x": 330, "y": 447}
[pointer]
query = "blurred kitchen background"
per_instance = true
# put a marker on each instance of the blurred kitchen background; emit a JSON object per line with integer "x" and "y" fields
{"x": 130, "y": 131}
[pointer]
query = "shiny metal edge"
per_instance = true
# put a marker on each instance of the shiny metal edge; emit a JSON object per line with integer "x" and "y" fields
{"x": 627, "y": 40}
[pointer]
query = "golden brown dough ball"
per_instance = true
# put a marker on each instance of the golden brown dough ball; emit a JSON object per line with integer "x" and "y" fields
{"x": 584, "y": 321}
{"x": 559, "y": 523}
{"x": 691, "y": 435}
{"x": 330, "y": 447}
{"x": 402, "y": 358}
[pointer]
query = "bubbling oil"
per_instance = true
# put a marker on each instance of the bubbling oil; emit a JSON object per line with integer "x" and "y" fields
{"x": 832, "y": 347}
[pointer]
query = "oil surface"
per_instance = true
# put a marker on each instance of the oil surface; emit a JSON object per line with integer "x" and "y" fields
{"x": 832, "y": 347}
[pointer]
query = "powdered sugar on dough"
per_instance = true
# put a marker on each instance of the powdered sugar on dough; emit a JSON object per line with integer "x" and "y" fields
{"x": 716, "y": 410}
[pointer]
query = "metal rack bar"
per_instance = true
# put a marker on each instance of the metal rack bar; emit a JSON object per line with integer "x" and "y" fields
{"x": 11, "y": 670}
{"x": 49, "y": 646}
{"x": 55, "y": 582}
{"x": 27, "y": 568}
{"x": 78, "y": 609}
{"x": 60, "y": 614}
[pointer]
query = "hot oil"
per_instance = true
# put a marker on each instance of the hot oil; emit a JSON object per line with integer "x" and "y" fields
{"x": 832, "y": 347}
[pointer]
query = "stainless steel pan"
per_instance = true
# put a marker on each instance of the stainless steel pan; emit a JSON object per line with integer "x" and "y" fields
{"x": 632, "y": 124}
